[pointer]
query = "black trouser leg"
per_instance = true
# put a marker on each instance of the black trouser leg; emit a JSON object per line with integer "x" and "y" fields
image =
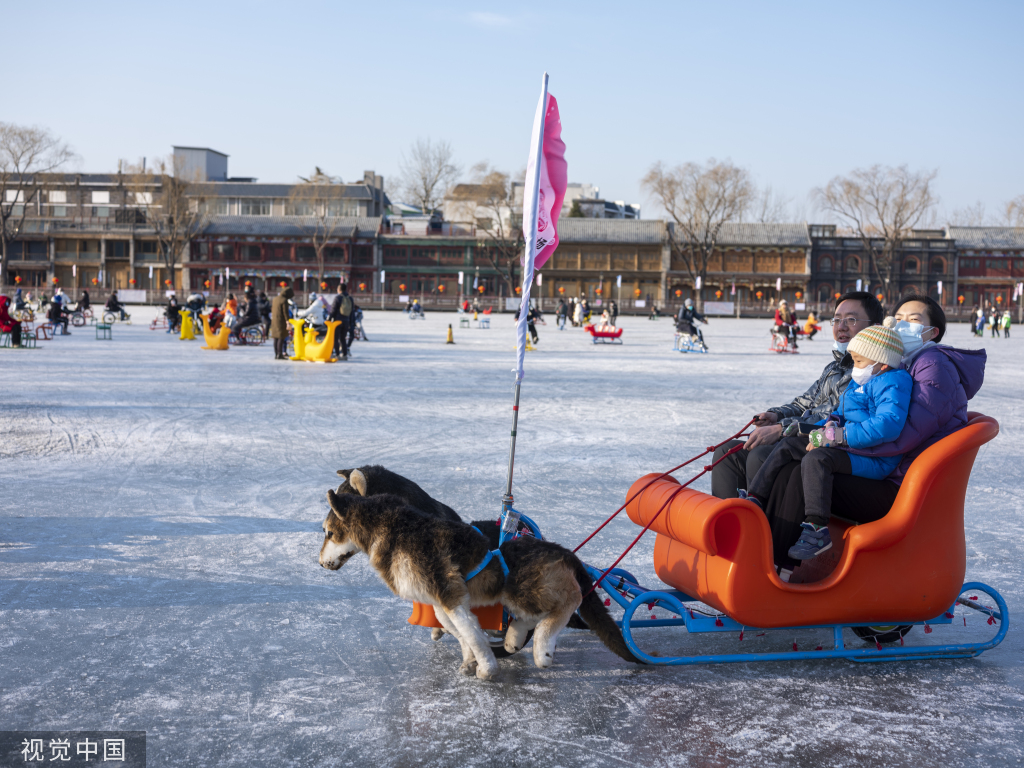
{"x": 820, "y": 467}
{"x": 16, "y": 335}
{"x": 857, "y": 499}
{"x": 341, "y": 336}
{"x": 783, "y": 452}
{"x": 735, "y": 470}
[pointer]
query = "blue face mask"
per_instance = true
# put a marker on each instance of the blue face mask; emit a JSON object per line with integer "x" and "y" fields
{"x": 910, "y": 335}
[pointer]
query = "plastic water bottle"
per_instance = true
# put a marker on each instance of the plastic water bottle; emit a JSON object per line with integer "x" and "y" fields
{"x": 510, "y": 525}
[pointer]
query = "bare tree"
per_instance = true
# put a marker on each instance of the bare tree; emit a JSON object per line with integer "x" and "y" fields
{"x": 1015, "y": 212}
{"x": 26, "y": 156}
{"x": 769, "y": 207}
{"x": 427, "y": 173}
{"x": 173, "y": 204}
{"x": 971, "y": 216}
{"x": 318, "y": 205}
{"x": 881, "y": 205}
{"x": 499, "y": 228}
{"x": 699, "y": 200}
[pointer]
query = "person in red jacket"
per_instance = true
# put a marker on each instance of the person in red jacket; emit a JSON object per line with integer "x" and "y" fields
{"x": 8, "y": 324}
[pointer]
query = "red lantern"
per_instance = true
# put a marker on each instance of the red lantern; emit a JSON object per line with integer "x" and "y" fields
{"x": 679, "y": 292}
{"x": 837, "y": 295}
{"x": 17, "y": 279}
{"x": 481, "y": 289}
{"x": 999, "y": 299}
{"x": 636, "y": 292}
{"x": 440, "y": 289}
{"x": 598, "y": 291}
{"x": 718, "y": 295}
{"x": 362, "y": 286}
{"x": 54, "y": 281}
{"x": 518, "y": 290}
{"x": 167, "y": 283}
{"x": 132, "y": 281}
{"x": 960, "y": 299}
{"x": 283, "y": 284}
{"x": 248, "y": 283}
{"x": 401, "y": 287}
{"x": 206, "y": 283}
{"x": 95, "y": 281}
{"x": 561, "y": 290}
{"x": 799, "y": 295}
{"x": 880, "y": 296}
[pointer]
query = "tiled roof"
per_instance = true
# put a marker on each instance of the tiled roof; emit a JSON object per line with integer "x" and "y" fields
{"x": 987, "y": 238}
{"x": 289, "y": 226}
{"x": 793, "y": 235}
{"x": 636, "y": 231}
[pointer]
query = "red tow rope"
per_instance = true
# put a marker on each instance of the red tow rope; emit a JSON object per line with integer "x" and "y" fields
{"x": 710, "y": 449}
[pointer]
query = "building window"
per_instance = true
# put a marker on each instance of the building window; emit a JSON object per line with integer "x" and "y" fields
{"x": 142, "y": 198}
{"x": 852, "y": 264}
{"x": 58, "y": 210}
{"x": 253, "y": 207}
{"x": 825, "y": 264}
{"x": 101, "y": 212}
{"x": 101, "y": 198}
{"x": 910, "y": 267}
{"x": 57, "y": 197}
{"x": 938, "y": 266}
{"x": 15, "y": 196}
{"x": 342, "y": 208}
{"x": 300, "y": 208}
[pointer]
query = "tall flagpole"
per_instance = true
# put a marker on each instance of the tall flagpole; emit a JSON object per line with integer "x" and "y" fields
{"x": 530, "y": 214}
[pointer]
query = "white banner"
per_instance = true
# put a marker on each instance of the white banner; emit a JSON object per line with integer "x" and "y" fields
{"x": 540, "y": 278}
{"x": 733, "y": 291}
{"x": 74, "y": 270}
{"x": 382, "y": 277}
{"x": 940, "y": 287}
{"x": 131, "y": 296}
{"x": 800, "y": 306}
{"x": 618, "y": 281}
{"x": 640, "y": 303}
{"x": 511, "y": 303}
{"x": 460, "y": 278}
{"x": 697, "y": 286}
{"x": 150, "y": 271}
{"x": 719, "y": 308}
{"x": 305, "y": 275}
{"x": 404, "y": 299}
{"x": 778, "y": 284}
{"x": 860, "y": 284}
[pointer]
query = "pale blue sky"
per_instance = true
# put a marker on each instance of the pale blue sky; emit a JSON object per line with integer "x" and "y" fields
{"x": 795, "y": 92}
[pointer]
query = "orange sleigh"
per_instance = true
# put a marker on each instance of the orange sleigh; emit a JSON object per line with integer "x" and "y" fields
{"x": 907, "y": 567}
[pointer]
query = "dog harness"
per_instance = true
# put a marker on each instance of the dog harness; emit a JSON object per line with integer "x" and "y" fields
{"x": 493, "y": 553}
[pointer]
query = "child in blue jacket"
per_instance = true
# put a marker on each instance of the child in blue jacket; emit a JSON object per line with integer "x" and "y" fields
{"x": 872, "y": 411}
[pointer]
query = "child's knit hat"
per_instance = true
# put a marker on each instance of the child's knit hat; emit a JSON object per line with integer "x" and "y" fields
{"x": 879, "y": 343}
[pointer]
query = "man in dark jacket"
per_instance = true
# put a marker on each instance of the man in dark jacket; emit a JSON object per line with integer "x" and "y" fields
{"x": 250, "y": 316}
{"x": 264, "y": 307}
{"x": 687, "y": 319}
{"x": 341, "y": 310}
{"x": 279, "y": 322}
{"x": 854, "y": 311}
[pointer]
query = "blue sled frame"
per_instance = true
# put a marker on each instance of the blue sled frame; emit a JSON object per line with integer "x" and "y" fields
{"x": 622, "y": 587}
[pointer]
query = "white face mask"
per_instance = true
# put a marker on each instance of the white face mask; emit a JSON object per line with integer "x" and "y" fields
{"x": 863, "y": 375}
{"x": 840, "y": 346}
{"x": 910, "y": 335}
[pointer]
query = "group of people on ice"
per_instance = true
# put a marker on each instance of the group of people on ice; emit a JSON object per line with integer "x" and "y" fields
{"x": 844, "y": 446}
{"x": 991, "y": 319}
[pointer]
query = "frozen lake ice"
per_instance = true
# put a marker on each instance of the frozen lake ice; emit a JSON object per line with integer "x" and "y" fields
{"x": 160, "y": 522}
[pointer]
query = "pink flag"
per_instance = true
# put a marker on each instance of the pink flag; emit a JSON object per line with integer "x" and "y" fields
{"x": 554, "y": 177}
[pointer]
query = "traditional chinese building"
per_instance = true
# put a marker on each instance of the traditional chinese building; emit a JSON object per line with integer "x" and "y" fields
{"x": 990, "y": 263}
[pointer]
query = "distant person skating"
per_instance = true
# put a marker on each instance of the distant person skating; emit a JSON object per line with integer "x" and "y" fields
{"x": 613, "y": 313}
{"x": 84, "y": 303}
{"x": 114, "y": 305}
{"x": 686, "y": 322}
{"x": 1006, "y": 320}
{"x": 785, "y": 322}
{"x": 341, "y": 310}
{"x": 250, "y": 315}
{"x": 811, "y": 326}
{"x": 264, "y": 307}
{"x": 173, "y": 313}
{"x": 231, "y": 311}
{"x": 577, "y": 314}
{"x": 279, "y": 322}
{"x": 562, "y": 313}
{"x": 8, "y": 324}
{"x": 58, "y": 315}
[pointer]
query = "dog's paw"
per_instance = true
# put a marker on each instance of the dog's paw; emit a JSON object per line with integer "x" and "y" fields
{"x": 469, "y": 668}
{"x": 486, "y": 672}
{"x": 543, "y": 661}
{"x": 510, "y": 646}
{"x": 436, "y": 634}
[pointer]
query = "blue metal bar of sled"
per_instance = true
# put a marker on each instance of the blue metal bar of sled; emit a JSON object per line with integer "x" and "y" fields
{"x": 620, "y": 581}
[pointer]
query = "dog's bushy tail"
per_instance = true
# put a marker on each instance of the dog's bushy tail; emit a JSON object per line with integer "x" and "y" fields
{"x": 596, "y": 615}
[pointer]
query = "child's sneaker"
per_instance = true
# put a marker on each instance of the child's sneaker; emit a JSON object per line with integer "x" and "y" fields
{"x": 814, "y": 540}
{"x": 749, "y": 497}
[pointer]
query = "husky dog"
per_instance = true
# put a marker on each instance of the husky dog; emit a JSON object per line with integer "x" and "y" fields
{"x": 426, "y": 559}
{"x": 373, "y": 480}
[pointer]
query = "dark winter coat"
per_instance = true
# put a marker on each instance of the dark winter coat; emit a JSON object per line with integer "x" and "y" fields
{"x": 944, "y": 380}
{"x": 341, "y": 307}
{"x": 687, "y": 316}
{"x": 264, "y": 308}
{"x": 7, "y": 323}
{"x": 823, "y": 395}
{"x": 252, "y": 312}
{"x": 279, "y": 314}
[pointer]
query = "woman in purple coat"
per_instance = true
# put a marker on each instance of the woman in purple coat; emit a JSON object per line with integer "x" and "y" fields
{"x": 944, "y": 380}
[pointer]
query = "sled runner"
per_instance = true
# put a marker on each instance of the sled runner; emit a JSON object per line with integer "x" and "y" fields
{"x": 904, "y": 570}
{"x": 688, "y": 342}
{"x": 604, "y": 337}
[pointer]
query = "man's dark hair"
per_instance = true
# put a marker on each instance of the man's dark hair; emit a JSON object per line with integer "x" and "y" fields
{"x": 936, "y": 315}
{"x": 343, "y": 287}
{"x": 872, "y": 306}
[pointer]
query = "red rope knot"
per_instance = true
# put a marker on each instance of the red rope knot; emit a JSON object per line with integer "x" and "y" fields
{"x": 794, "y": 645}
{"x": 948, "y": 615}
{"x": 878, "y": 645}
{"x": 991, "y": 620}
{"x": 719, "y": 622}
{"x": 741, "y": 635}
{"x": 711, "y": 449}
{"x": 709, "y": 468}
{"x": 927, "y": 629}
{"x": 973, "y": 597}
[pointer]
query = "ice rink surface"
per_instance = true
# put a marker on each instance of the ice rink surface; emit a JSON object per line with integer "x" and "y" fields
{"x": 160, "y": 523}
